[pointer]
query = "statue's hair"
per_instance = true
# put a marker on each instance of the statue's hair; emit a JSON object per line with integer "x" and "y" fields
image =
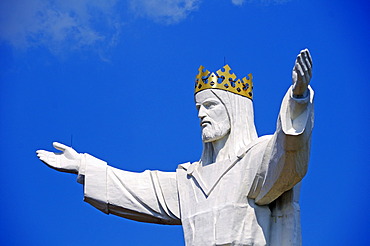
{"x": 242, "y": 128}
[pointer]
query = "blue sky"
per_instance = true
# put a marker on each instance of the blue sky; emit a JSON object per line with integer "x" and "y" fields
{"x": 115, "y": 79}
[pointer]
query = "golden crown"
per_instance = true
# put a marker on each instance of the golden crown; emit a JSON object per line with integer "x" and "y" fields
{"x": 223, "y": 80}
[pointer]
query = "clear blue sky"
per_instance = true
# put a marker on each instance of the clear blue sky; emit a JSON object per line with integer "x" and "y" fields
{"x": 118, "y": 76}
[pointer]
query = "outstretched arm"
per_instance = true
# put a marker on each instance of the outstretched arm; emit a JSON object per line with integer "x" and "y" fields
{"x": 286, "y": 156}
{"x": 150, "y": 196}
{"x": 301, "y": 77}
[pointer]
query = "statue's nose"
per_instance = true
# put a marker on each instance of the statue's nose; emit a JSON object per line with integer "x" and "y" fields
{"x": 201, "y": 112}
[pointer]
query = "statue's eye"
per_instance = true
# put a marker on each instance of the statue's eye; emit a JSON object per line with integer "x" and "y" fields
{"x": 209, "y": 105}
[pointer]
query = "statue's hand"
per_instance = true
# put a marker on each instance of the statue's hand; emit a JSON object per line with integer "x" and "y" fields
{"x": 302, "y": 73}
{"x": 68, "y": 161}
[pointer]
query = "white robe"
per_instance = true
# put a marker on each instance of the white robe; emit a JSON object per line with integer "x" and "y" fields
{"x": 250, "y": 200}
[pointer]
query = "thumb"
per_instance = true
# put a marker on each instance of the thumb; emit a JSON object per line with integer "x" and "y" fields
{"x": 60, "y": 146}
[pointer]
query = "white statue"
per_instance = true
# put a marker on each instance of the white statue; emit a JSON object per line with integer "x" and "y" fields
{"x": 244, "y": 190}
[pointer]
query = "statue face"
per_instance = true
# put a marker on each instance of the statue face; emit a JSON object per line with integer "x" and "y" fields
{"x": 213, "y": 116}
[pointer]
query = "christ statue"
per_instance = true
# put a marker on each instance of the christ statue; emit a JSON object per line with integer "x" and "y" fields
{"x": 244, "y": 190}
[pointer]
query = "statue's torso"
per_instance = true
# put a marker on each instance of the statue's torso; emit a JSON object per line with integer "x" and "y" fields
{"x": 226, "y": 215}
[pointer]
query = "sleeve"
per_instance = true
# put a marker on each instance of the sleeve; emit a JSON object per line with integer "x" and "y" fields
{"x": 150, "y": 196}
{"x": 286, "y": 156}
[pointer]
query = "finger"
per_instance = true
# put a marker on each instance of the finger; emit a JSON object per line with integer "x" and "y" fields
{"x": 302, "y": 63}
{"x": 45, "y": 154}
{"x": 308, "y": 65}
{"x": 308, "y": 62}
{"x": 298, "y": 68}
{"x": 307, "y": 53}
{"x": 60, "y": 146}
{"x": 43, "y": 151}
{"x": 304, "y": 68}
{"x": 306, "y": 59}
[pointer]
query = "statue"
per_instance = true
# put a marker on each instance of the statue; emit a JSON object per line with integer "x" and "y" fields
{"x": 244, "y": 190}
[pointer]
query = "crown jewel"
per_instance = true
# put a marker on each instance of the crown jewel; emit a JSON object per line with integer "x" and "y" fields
{"x": 223, "y": 80}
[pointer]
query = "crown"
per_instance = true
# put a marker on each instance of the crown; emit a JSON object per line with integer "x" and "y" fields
{"x": 223, "y": 80}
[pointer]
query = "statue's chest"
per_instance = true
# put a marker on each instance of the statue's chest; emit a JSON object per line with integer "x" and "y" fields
{"x": 223, "y": 187}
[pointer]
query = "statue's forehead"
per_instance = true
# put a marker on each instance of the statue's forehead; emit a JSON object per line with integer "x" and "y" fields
{"x": 205, "y": 95}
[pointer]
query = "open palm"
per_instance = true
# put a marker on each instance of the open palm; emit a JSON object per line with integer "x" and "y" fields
{"x": 302, "y": 73}
{"x": 67, "y": 161}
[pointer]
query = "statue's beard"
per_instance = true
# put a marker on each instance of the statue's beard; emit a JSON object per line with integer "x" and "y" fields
{"x": 213, "y": 131}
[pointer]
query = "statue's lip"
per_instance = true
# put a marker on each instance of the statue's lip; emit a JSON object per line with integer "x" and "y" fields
{"x": 203, "y": 123}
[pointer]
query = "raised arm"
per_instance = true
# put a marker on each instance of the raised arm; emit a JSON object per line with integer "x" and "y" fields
{"x": 286, "y": 156}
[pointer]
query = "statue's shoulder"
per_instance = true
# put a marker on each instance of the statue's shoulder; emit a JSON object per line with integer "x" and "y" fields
{"x": 259, "y": 144}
